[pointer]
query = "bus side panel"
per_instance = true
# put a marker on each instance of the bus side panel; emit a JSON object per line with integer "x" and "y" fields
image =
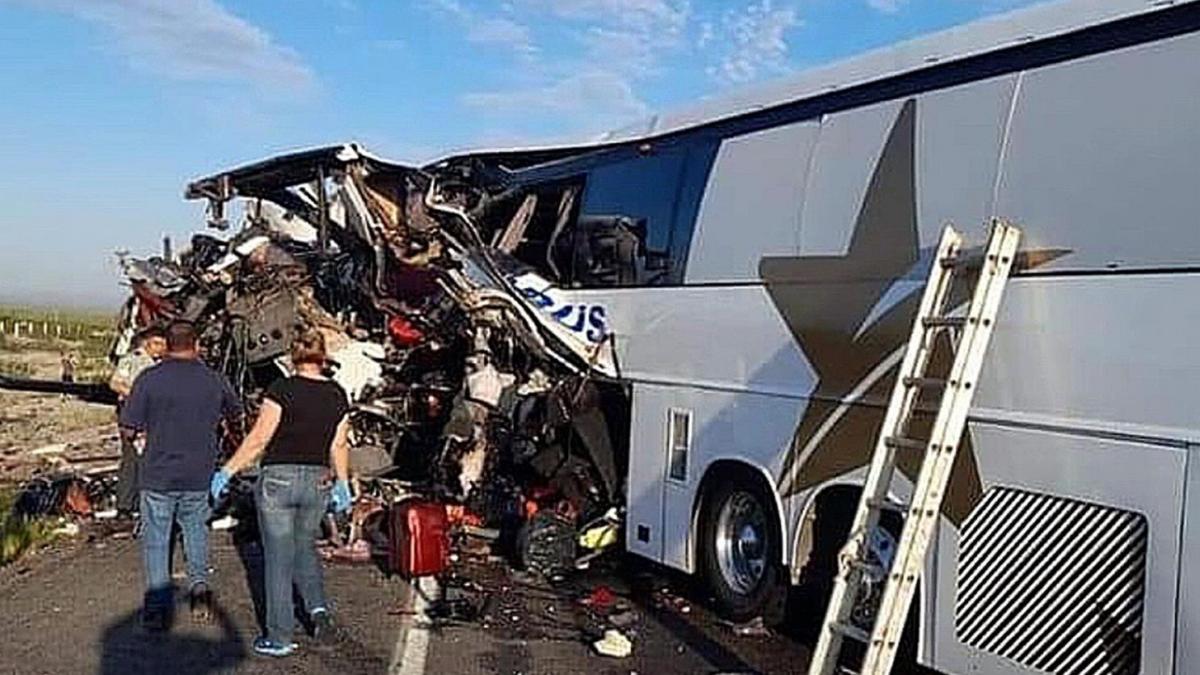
{"x": 1187, "y": 654}
{"x": 747, "y": 428}
{"x": 1102, "y": 158}
{"x": 1098, "y": 172}
{"x": 1075, "y": 363}
{"x": 751, "y": 205}
{"x": 647, "y": 471}
{"x": 1069, "y": 530}
{"x": 725, "y": 338}
{"x": 1116, "y": 353}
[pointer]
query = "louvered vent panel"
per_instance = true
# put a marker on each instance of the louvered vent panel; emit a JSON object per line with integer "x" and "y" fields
{"x": 1053, "y": 584}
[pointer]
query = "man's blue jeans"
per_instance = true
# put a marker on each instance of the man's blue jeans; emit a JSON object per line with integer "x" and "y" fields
{"x": 291, "y": 503}
{"x": 159, "y": 511}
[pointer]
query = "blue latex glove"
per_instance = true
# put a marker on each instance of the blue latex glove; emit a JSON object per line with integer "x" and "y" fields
{"x": 220, "y": 481}
{"x": 339, "y": 497}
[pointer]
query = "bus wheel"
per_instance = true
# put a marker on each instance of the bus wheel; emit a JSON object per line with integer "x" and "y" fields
{"x": 740, "y": 551}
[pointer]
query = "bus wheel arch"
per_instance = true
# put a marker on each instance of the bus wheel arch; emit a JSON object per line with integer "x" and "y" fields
{"x": 738, "y": 546}
{"x": 820, "y": 535}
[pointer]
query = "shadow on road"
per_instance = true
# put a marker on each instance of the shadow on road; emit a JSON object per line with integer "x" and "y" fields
{"x": 250, "y": 553}
{"x": 127, "y": 648}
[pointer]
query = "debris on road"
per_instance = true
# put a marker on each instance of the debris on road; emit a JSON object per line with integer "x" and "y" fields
{"x": 614, "y": 644}
{"x": 600, "y": 599}
{"x": 59, "y": 494}
{"x": 53, "y": 449}
{"x": 623, "y": 619}
{"x": 67, "y": 529}
{"x": 755, "y": 627}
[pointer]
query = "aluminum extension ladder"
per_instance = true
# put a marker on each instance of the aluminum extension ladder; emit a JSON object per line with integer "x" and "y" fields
{"x": 973, "y": 330}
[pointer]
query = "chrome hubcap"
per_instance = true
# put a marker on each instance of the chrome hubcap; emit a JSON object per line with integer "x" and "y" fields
{"x": 742, "y": 542}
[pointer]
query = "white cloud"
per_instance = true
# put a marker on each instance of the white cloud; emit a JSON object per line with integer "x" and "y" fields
{"x": 618, "y": 44}
{"x": 887, "y": 6}
{"x": 616, "y": 48}
{"x": 601, "y": 96}
{"x": 621, "y": 51}
{"x": 501, "y": 31}
{"x": 755, "y": 42}
{"x": 488, "y": 30}
{"x": 192, "y": 40}
{"x": 666, "y": 19}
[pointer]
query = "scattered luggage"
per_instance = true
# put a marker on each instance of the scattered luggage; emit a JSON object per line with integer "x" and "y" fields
{"x": 53, "y": 496}
{"x": 418, "y": 538}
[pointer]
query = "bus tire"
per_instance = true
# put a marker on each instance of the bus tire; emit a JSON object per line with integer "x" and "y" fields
{"x": 740, "y": 550}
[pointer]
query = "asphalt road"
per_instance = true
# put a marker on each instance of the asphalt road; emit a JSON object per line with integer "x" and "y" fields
{"x": 520, "y": 623}
{"x": 75, "y": 611}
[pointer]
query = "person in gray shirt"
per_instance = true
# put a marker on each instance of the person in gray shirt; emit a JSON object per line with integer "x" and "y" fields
{"x": 149, "y": 347}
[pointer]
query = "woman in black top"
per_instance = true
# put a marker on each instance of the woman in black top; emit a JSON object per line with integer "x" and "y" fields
{"x": 302, "y": 428}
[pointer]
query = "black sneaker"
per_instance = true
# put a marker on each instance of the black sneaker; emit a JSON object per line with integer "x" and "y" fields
{"x": 201, "y": 601}
{"x": 154, "y": 619}
{"x": 324, "y": 632}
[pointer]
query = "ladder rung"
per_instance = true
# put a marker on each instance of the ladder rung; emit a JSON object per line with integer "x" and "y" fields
{"x": 896, "y": 442}
{"x": 925, "y": 382}
{"x": 966, "y": 259}
{"x": 887, "y": 505}
{"x": 944, "y": 321}
{"x": 860, "y": 564}
{"x": 852, "y": 632}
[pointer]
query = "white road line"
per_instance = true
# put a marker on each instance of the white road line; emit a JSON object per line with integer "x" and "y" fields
{"x": 412, "y": 645}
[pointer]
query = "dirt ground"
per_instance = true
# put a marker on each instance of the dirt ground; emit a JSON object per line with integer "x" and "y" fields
{"x": 31, "y": 423}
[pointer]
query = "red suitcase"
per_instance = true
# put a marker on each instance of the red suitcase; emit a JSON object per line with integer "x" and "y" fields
{"x": 419, "y": 544}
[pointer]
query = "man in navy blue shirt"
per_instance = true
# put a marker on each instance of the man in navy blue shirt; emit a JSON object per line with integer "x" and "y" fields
{"x": 178, "y": 404}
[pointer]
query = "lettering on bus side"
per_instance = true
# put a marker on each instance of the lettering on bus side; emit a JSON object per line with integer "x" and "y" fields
{"x": 589, "y": 321}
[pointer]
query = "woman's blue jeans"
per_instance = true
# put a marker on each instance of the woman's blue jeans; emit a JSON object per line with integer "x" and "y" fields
{"x": 291, "y": 503}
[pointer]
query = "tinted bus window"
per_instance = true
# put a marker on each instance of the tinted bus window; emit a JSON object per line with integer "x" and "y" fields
{"x": 624, "y": 229}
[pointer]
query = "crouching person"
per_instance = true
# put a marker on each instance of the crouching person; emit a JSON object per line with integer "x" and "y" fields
{"x": 178, "y": 404}
{"x": 301, "y": 430}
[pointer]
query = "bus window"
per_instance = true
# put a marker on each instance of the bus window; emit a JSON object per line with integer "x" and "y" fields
{"x": 625, "y": 232}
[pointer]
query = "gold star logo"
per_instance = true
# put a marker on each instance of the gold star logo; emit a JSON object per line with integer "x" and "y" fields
{"x": 851, "y": 315}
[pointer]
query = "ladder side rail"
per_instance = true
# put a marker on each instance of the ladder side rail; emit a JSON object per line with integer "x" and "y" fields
{"x": 903, "y": 398}
{"x": 935, "y": 473}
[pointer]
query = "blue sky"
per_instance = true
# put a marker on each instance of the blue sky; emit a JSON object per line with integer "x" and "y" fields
{"x": 110, "y": 106}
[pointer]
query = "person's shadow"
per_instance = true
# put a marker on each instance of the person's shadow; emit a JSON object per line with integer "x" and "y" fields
{"x": 128, "y": 648}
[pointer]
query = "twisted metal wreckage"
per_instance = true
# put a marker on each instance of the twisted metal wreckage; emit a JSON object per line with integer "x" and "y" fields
{"x": 443, "y": 295}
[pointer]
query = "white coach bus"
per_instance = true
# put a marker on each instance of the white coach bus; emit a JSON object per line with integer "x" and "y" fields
{"x": 792, "y": 227}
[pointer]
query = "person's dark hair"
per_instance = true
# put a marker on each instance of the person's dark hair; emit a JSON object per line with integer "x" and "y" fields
{"x": 181, "y": 336}
{"x": 308, "y": 347}
{"x": 150, "y": 332}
